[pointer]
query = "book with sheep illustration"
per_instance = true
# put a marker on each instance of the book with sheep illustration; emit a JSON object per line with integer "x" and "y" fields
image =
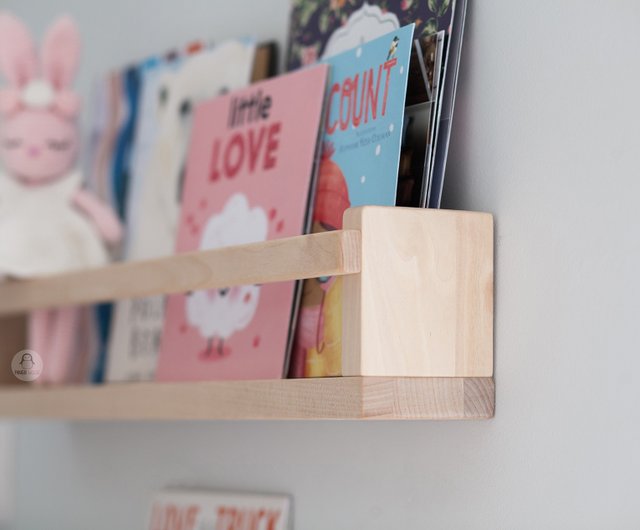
{"x": 249, "y": 175}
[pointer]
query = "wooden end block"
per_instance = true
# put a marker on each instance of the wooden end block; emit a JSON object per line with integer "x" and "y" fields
{"x": 422, "y": 305}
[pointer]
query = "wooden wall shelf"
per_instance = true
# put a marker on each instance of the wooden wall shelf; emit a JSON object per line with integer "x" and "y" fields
{"x": 323, "y": 398}
{"x": 417, "y": 323}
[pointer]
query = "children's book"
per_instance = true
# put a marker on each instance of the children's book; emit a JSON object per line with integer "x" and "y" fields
{"x": 420, "y": 120}
{"x": 202, "y": 510}
{"x": 171, "y": 88}
{"x": 320, "y": 29}
{"x": 114, "y": 108}
{"x": 362, "y": 138}
{"x": 250, "y": 172}
{"x": 446, "y": 101}
{"x": 132, "y": 346}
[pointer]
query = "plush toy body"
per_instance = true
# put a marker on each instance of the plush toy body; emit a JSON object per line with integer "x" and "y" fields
{"x": 42, "y": 231}
{"x": 48, "y": 223}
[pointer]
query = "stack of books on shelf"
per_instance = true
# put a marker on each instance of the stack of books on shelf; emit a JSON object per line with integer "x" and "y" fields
{"x": 203, "y": 147}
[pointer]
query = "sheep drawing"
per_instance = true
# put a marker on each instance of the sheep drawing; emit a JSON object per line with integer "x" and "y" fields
{"x": 219, "y": 313}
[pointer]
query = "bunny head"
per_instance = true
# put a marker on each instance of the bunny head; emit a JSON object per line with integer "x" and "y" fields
{"x": 38, "y": 110}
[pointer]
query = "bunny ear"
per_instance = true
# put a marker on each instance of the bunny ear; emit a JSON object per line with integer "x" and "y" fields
{"x": 18, "y": 58}
{"x": 61, "y": 53}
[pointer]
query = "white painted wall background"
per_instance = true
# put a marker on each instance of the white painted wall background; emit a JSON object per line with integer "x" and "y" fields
{"x": 547, "y": 137}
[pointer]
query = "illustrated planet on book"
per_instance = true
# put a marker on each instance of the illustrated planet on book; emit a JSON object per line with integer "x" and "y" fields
{"x": 320, "y": 327}
{"x": 332, "y": 196}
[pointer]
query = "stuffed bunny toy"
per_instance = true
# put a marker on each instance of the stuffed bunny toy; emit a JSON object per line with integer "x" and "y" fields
{"x": 48, "y": 223}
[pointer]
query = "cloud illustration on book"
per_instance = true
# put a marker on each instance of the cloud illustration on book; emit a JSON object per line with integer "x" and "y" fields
{"x": 219, "y": 313}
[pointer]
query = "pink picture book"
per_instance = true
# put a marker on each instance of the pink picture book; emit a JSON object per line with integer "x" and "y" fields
{"x": 249, "y": 175}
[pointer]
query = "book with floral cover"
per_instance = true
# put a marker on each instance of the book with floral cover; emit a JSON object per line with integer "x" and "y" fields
{"x": 320, "y": 29}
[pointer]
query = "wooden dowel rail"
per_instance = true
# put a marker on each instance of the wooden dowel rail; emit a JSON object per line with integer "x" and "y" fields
{"x": 295, "y": 258}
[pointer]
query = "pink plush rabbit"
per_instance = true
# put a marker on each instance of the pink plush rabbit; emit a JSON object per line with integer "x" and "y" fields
{"x": 48, "y": 223}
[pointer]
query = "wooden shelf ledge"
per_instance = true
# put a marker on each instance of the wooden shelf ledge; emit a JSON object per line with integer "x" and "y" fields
{"x": 433, "y": 398}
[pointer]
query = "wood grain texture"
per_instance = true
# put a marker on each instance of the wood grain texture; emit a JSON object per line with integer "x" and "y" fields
{"x": 13, "y": 338}
{"x": 422, "y": 305}
{"x": 325, "y": 398}
{"x": 263, "y": 62}
{"x": 309, "y": 256}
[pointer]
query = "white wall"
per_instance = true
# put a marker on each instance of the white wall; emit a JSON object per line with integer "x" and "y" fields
{"x": 547, "y": 137}
{"x": 8, "y": 455}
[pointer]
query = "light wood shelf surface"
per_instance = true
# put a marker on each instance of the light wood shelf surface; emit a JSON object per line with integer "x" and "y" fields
{"x": 434, "y": 398}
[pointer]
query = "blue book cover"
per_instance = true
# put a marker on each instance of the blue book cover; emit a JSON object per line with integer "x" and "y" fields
{"x": 365, "y": 111}
{"x": 365, "y": 107}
